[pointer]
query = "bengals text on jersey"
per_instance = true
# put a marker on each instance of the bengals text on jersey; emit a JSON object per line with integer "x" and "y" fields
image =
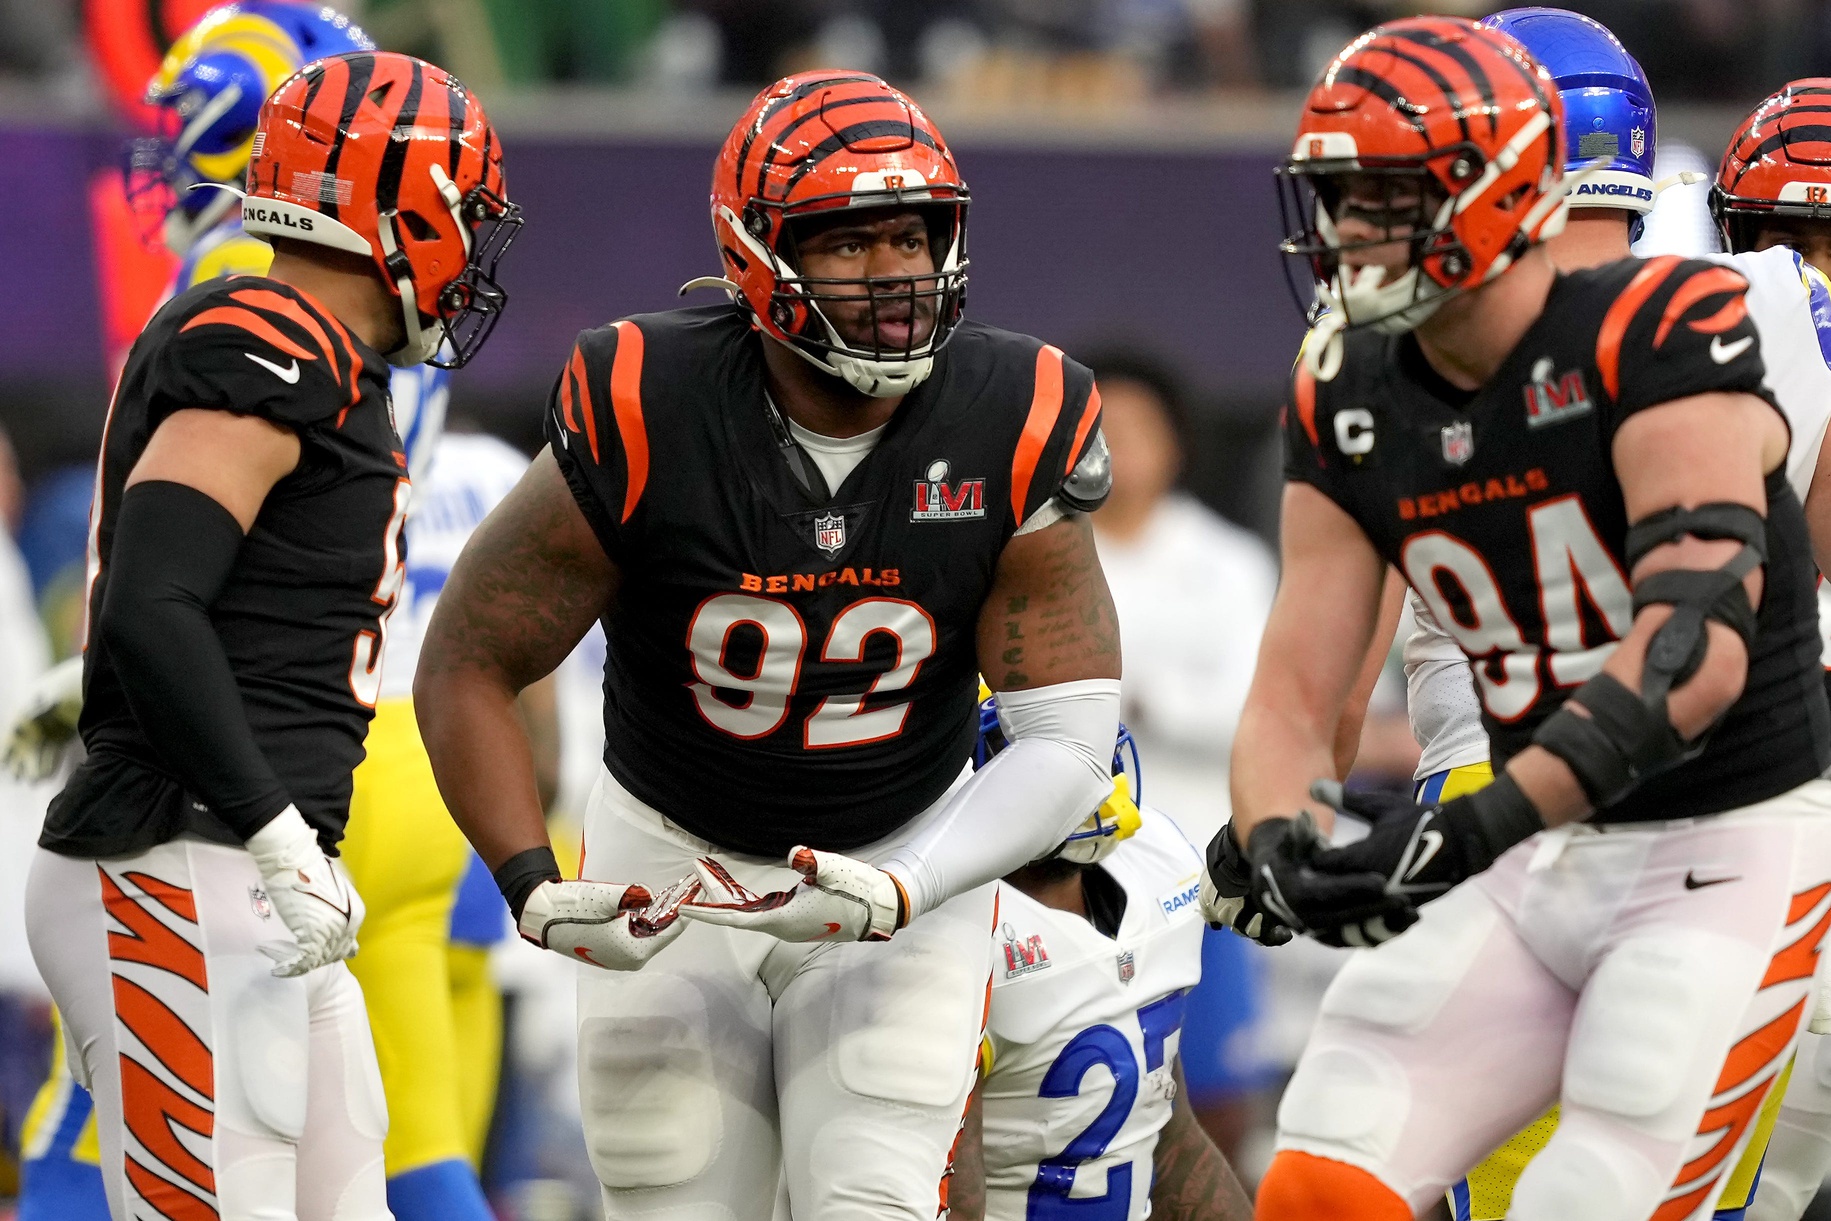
{"x": 1502, "y": 509}
{"x": 301, "y": 618}
{"x": 784, "y": 670}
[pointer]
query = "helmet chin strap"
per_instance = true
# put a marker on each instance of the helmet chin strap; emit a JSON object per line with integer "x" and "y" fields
{"x": 421, "y": 343}
{"x": 181, "y": 232}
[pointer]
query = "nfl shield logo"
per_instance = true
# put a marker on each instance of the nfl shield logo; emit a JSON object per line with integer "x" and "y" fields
{"x": 1637, "y": 141}
{"x": 1458, "y": 442}
{"x": 1127, "y": 968}
{"x": 830, "y": 533}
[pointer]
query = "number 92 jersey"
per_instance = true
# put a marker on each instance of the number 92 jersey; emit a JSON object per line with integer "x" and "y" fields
{"x": 1081, "y": 1040}
{"x": 1502, "y": 508}
{"x": 784, "y": 670}
{"x": 299, "y": 616}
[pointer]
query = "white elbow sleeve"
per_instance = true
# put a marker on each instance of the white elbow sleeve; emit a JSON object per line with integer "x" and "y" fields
{"x": 1055, "y": 772}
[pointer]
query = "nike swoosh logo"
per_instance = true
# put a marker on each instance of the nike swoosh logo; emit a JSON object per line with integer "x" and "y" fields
{"x": 1723, "y": 353}
{"x": 1693, "y": 883}
{"x": 584, "y": 953}
{"x": 831, "y": 929}
{"x": 1432, "y": 843}
{"x": 290, "y": 375}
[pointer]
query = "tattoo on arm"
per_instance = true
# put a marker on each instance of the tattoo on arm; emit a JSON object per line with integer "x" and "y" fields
{"x": 1050, "y": 617}
{"x": 527, "y": 587}
{"x": 1193, "y": 1182}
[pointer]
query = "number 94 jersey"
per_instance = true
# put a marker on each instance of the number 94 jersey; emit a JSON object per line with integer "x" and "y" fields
{"x": 1502, "y": 509}
{"x": 1082, "y": 1038}
{"x": 784, "y": 669}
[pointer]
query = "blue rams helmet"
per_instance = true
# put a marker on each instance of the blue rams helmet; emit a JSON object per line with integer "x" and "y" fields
{"x": 1608, "y": 105}
{"x": 210, "y": 90}
{"x": 1099, "y": 833}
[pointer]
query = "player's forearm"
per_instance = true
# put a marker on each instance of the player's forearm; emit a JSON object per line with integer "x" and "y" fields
{"x": 966, "y": 1180}
{"x": 1280, "y": 748}
{"x": 477, "y": 742}
{"x": 1056, "y": 771}
{"x": 1191, "y": 1180}
{"x": 173, "y": 549}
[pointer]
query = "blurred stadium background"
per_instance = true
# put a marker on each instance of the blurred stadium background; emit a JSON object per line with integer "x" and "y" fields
{"x": 1119, "y": 154}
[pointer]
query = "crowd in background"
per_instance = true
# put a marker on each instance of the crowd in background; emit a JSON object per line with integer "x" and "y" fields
{"x": 984, "y": 52}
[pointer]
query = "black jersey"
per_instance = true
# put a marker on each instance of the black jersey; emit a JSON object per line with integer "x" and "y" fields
{"x": 783, "y": 670}
{"x": 1503, "y": 510}
{"x": 300, "y": 615}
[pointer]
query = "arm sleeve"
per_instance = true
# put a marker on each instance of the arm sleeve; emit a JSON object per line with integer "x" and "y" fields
{"x": 1689, "y": 333}
{"x": 173, "y": 549}
{"x": 1055, "y": 772}
{"x": 253, "y": 349}
{"x": 584, "y": 430}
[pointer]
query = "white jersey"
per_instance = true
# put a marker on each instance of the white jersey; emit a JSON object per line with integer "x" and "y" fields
{"x": 1083, "y": 1036}
{"x": 1791, "y": 307}
{"x": 468, "y": 475}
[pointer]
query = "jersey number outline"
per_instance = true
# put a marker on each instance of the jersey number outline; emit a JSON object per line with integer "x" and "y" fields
{"x": 1568, "y": 555}
{"x": 839, "y": 720}
{"x": 1048, "y": 1198}
{"x": 366, "y": 654}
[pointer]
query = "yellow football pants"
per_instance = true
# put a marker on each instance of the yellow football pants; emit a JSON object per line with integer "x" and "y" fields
{"x": 406, "y": 857}
{"x": 476, "y": 1006}
{"x": 1491, "y": 1183}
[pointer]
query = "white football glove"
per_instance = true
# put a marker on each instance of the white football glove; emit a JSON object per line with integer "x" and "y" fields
{"x": 605, "y": 924}
{"x": 46, "y": 725}
{"x": 311, "y": 892}
{"x": 838, "y": 898}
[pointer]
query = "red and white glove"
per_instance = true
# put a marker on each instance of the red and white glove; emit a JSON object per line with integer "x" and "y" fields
{"x": 839, "y": 898}
{"x": 605, "y": 924}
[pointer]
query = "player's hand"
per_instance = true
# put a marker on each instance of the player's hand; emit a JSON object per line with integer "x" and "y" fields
{"x": 1423, "y": 851}
{"x": 1338, "y": 907}
{"x": 45, "y": 727}
{"x": 1227, "y": 898}
{"x": 311, "y": 893}
{"x": 838, "y": 898}
{"x": 606, "y": 924}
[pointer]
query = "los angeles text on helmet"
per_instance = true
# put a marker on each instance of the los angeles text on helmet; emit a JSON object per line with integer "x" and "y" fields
{"x": 253, "y": 211}
{"x": 1643, "y": 194}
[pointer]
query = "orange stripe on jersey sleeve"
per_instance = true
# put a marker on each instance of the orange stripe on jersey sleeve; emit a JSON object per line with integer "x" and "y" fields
{"x": 1705, "y": 284}
{"x": 1306, "y": 402}
{"x": 575, "y": 375}
{"x": 292, "y": 311}
{"x": 1089, "y": 414}
{"x": 626, "y": 402}
{"x": 568, "y": 414}
{"x": 165, "y": 1036}
{"x": 253, "y": 323}
{"x": 1045, "y": 406}
{"x": 1620, "y": 315}
{"x": 147, "y": 939}
{"x": 152, "y": 1110}
{"x": 172, "y": 1201}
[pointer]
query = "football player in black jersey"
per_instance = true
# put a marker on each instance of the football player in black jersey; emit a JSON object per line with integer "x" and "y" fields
{"x": 807, "y": 517}
{"x": 245, "y": 549}
{"x": 1582, "y": 476}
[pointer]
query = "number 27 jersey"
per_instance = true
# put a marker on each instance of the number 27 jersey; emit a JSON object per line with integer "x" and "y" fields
{"x": 1502, "y": 509}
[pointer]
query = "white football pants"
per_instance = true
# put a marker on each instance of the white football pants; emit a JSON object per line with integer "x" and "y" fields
{"x": 1653, "y": 979}
{"x": 220, "y": 1091}
{"x": 734, "y": 1066}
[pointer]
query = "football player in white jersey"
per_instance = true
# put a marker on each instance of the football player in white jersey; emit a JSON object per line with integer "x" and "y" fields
{"x": 1770, "y": 193}
{"x": 1609, "y": 112}
{"x": 1081, "y": 1105}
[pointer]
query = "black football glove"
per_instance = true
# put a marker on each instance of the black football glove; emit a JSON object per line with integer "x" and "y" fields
{"x": 1341, "y": 907}
{"x": 1227, "y": 899}
{"x": 1423, "y": 851}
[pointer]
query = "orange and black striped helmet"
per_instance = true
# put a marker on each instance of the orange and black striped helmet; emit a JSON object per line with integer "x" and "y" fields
{"x": 1458, "y": 122}
{"x": 829, "y": 141}
{"x": 388, "y": 156}
{"x": 1777, "y": 164}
